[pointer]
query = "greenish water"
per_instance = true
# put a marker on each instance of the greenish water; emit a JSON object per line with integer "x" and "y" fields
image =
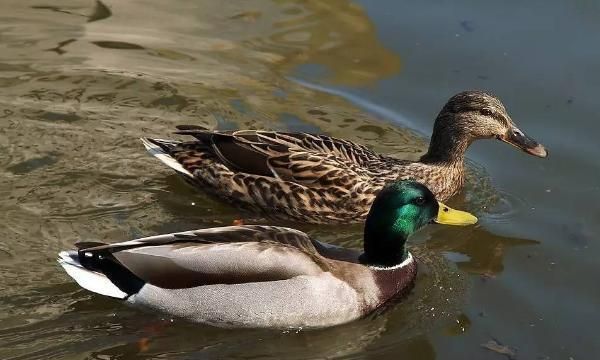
{"x": 81, "y": 81}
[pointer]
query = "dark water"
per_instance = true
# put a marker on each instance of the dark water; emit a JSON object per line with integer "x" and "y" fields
{"x": 80, "y": 81}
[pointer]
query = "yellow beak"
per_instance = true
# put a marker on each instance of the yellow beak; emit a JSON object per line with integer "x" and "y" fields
{"x": 448, "y": 216}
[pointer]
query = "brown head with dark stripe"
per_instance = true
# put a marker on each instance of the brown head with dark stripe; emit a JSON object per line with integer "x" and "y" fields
{"x": 472, "y": 115}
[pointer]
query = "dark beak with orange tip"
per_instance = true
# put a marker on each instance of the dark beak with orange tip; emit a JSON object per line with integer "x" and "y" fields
{"x": 517, "y": 138}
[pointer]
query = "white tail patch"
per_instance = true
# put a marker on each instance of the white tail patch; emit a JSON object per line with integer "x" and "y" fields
{"x": 87, "y": 279}
{"x": 167, "y": 159}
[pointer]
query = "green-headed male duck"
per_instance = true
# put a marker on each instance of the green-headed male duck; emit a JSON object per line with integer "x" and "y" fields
{"x": 266, "y": 276}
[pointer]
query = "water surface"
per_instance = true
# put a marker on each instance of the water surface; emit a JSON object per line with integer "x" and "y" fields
{"x": 81, "y": 81}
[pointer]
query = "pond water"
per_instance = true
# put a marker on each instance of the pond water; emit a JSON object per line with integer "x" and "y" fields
{"x": 82, "y": 80}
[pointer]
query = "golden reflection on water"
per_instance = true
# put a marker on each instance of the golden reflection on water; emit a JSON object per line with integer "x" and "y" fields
{"x": 336, "y": 34}
{"x": 485, "y": 250}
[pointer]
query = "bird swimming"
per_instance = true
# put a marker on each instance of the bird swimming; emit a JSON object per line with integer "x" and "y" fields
{"x": 255, "y": 276}
{"x": 320, "y": 179}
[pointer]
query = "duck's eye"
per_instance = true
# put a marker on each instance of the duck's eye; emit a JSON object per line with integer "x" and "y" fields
{"x": 485, "y": 112}
{"x": 420, "y": 200}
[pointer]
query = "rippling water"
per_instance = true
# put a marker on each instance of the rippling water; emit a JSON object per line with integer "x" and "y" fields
{"x": 81, "y": 81}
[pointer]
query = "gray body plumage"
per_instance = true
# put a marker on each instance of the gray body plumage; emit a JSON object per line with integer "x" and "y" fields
{"x": 301, "y": 302}
{"x": 240, "y": 276}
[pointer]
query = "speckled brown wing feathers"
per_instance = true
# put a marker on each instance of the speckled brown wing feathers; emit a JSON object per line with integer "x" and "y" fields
{"x": 306, "y": 177}
{"x": 288, "y": 156}
{"x": 239, "y": 150}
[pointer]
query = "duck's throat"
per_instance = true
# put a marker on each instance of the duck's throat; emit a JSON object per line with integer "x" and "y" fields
{"x": 384, "y": 248}
{"x": 382, "y": 259}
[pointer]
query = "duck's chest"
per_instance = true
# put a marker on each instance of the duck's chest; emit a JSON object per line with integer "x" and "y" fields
{"x": 444, "y": 181}
{"x": 378, "y": 287}
{"x": 395, "y": 284}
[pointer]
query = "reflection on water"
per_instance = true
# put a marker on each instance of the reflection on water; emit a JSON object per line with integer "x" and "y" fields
{"x": 483, "y": 251}
{"x": 81, "y": 81}
{"x": 99, "y": 12}
{"x": 337, "y": 35}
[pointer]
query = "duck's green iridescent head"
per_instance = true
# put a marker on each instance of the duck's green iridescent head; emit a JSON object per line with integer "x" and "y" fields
{"x": 400, "y": 209}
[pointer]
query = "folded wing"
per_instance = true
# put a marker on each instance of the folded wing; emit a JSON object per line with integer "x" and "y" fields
{"x": 227, "y": 255}
{"x": 314, "y": 160}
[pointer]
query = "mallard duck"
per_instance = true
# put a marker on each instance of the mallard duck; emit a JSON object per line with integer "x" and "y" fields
{"x": 267, "y": 276}
{"x": 320, "y": 179}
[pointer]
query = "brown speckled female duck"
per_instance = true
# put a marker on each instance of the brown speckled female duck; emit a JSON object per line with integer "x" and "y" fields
{"x": 266, "y": 276}
{"x": 320, "y": 179}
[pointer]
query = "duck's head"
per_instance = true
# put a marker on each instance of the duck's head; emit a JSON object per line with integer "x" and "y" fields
{"x": 473, "y": 115}
{"x": 400, "y": 209}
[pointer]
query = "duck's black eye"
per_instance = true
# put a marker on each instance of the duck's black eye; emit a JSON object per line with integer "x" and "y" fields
{"x": 486, "y": 112}
{"x": 420, "y": 200}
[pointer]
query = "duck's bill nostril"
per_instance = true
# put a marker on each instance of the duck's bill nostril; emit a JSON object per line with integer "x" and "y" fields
{"x": 517, "y": 138}
{"x": 449, "y": 216}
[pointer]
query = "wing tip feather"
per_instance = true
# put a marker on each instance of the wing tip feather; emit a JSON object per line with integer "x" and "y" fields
{"x": 159, "y": 152}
